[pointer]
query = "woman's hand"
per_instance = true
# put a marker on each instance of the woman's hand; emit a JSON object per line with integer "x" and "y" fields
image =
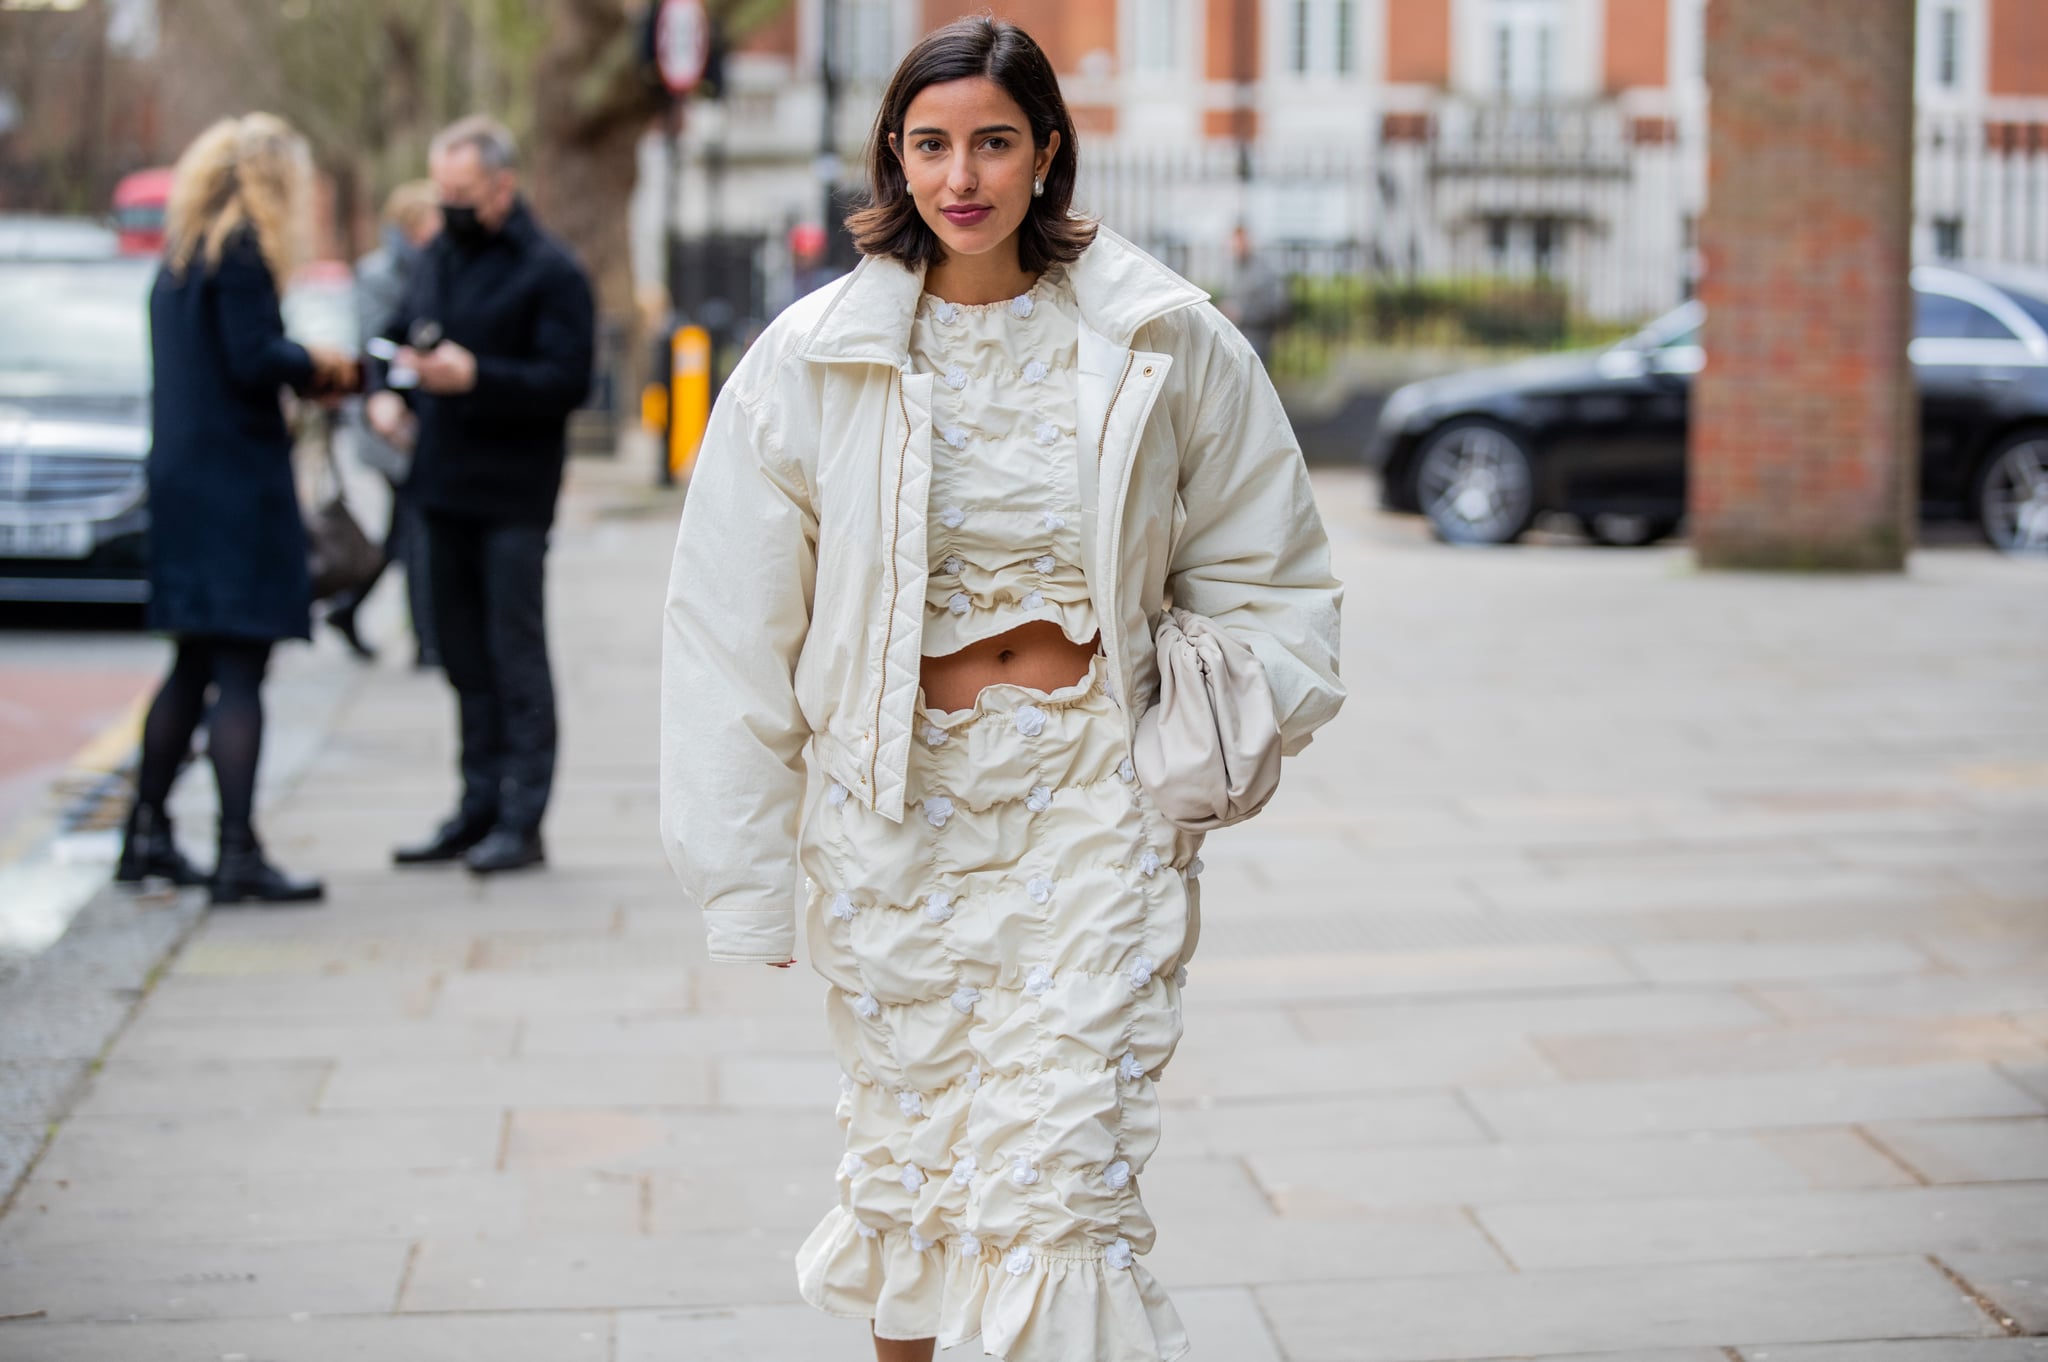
{"x": 334, "y": 371}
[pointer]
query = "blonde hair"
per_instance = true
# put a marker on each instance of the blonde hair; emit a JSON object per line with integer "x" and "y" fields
{"x": 254, "y": 172}
{"x": 412, "y": 203}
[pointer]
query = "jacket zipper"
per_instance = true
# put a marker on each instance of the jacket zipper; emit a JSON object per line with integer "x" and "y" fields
{"x": 1102, "y": 443}
{"x": 889, "y": 624}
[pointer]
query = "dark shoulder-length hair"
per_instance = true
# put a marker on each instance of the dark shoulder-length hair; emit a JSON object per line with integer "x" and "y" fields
{"x": 887, "y": 222}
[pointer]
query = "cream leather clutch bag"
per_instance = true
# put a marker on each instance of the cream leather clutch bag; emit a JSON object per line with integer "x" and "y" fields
{"x": 1208, "y": 753}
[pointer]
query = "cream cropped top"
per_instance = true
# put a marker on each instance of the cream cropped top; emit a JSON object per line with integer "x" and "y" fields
{"x": 1005, "y": 499}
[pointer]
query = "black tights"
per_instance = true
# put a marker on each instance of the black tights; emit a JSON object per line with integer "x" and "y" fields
{"x": 234, "y": 667}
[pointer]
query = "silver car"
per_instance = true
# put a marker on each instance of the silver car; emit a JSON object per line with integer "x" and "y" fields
{"x": 74, "y": 428}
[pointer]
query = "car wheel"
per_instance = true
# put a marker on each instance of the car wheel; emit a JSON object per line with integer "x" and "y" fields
{"x": 1477, "y": 483}
{"x": 2012, "y": 495}
{"x": 1628, "y": 529}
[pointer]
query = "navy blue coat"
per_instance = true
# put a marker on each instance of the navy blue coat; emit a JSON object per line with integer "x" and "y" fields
{"x": 227, "y": 546}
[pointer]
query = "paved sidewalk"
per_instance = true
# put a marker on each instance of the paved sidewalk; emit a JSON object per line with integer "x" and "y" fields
{"x": 1647, "y": 964}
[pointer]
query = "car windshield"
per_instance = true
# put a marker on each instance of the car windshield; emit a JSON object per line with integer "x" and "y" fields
{"x": 1680, "y": 326}
{"x": 69, "y": 329}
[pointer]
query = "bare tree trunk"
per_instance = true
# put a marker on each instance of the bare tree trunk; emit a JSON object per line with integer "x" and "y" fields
{"x": 591, "y": 104}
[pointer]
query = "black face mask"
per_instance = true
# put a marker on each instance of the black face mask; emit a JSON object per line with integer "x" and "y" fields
{"x": 463, "y": 226}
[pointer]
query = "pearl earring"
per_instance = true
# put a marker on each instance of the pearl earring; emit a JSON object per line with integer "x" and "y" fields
{"x": 1038, "y": 189}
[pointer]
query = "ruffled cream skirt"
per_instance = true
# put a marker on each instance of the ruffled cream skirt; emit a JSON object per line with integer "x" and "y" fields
{"x": 1005, "y": 970}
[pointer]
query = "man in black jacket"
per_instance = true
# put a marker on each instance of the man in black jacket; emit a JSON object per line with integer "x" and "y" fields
{"x": 497, "y": 332}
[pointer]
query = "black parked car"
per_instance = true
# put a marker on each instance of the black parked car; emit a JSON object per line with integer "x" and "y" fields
{"x": 1602, "y": 435}
{"x": 74, "y": 428}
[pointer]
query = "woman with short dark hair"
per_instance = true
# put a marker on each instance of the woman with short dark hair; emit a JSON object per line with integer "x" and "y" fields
{"x": 227, "y": 547}
{"x": 938, "y": 516}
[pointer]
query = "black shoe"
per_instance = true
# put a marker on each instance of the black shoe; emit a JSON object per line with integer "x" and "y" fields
{"x": 448, "y": 843}
{"x": 246, "y": 876}
{"x": 505, "y": 849}
{"x": 342, "y": 619}
{"x": 150, "y": 852}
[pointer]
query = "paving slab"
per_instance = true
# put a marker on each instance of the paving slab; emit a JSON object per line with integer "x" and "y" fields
{"x": 1630, "y": 1011}
{"x": 522, "y": 1337}
{"x": 195, "y": 1040}
{"x": 377, "y": 995}
{"x": 1917, "y": 1350}
{"x": 1332, "y": 1123}
{"x": 1866, "y": 1043}
{"x": 199, "y": 1281}
{"x": 1617, "y": 1310}
{"x": 668, "y": 1141}
{"x": 98, "y": 1146}
{"x": 2016, "y": 1283}
{"x": 2005, "y": 1218}
{"x": 352, "y": 1205}
{"x": 125, "y": 1087}
{"x": 564, "y": 1272}
{"x": 1355, "y": 1181}
{"x": 443, "y": 1084}
{"x": 1970, "y": 1151}
{"x": 531, "y": 994}
{"x": 1750, "y": 1101}
{"x": 1238, "y": 1252}
{"x": 1928, "y": 996}
{"x": 1714, "y": 962}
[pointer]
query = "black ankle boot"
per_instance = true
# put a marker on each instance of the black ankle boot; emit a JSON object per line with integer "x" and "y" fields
{"x": 150, "y": 852}
{"x": 245, "y": 876}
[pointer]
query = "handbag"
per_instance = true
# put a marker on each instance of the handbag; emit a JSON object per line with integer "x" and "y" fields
{"x": 339, "y": 557}
{"x": 1208, "y": 752}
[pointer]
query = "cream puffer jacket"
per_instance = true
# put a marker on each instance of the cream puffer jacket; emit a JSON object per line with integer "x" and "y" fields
{"x": 795, "y": 607}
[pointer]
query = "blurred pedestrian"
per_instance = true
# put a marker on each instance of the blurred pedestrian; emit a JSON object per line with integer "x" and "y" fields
{"x": 412, "y": 218}
{"x": 499, "y": 336}
{"x": 227, "y": 570}
{"x": 1254, "y": 295}
{"x": 914, "y": 683}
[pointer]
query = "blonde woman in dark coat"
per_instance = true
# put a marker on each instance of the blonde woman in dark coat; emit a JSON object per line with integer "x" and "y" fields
{"x": 227, "y": 569}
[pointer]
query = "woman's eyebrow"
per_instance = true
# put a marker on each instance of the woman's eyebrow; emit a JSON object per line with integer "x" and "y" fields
{"x": 978, "y": 132}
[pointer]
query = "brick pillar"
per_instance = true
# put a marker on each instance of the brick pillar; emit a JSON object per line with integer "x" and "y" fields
{"x": 1805, "y": 423}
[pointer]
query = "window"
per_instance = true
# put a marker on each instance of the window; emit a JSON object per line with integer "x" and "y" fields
{"x": 1321, "y": 37}
{"x": 867, "y": 38}
{"x": 1525, "y": 42}
{"x": 1948, "y": 25}
{"x": 1948, "y": 238}
{"x": 1155, "y": 36}
{"x": 1942, "y": 316}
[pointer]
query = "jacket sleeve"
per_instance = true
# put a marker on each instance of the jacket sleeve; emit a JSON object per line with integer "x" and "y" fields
{"x": 554, "y": 375}
{"x": 258, "y": 354}
{"x": 732, "y": 737}
{"x": 1252, "y": 553}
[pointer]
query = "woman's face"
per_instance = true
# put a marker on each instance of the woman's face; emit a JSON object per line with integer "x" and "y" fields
{"x": 966, "y": 152}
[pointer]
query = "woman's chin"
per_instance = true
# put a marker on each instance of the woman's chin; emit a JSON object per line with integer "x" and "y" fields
{"x": 967, "y": 242}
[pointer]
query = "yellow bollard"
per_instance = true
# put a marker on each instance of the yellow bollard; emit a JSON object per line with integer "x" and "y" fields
{"x": 689, "y": 396}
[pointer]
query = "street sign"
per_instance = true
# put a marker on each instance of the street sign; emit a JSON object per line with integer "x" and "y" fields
{"x": 682, "y": 44}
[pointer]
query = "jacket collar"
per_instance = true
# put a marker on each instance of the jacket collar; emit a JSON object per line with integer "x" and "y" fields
{"x": 1117, "y": 287}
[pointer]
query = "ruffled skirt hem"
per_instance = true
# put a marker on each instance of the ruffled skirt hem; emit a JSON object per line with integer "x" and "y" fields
{"x": 1025, "y": 1305}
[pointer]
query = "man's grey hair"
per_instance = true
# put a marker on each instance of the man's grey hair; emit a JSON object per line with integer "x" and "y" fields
{"x": 495, "y": 145}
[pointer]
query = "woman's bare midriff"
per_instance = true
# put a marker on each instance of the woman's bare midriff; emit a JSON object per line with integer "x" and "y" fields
{"x": 1037, "y": 654}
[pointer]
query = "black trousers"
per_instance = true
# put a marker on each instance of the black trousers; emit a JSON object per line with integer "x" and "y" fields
{"x": 486, "y": 578}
